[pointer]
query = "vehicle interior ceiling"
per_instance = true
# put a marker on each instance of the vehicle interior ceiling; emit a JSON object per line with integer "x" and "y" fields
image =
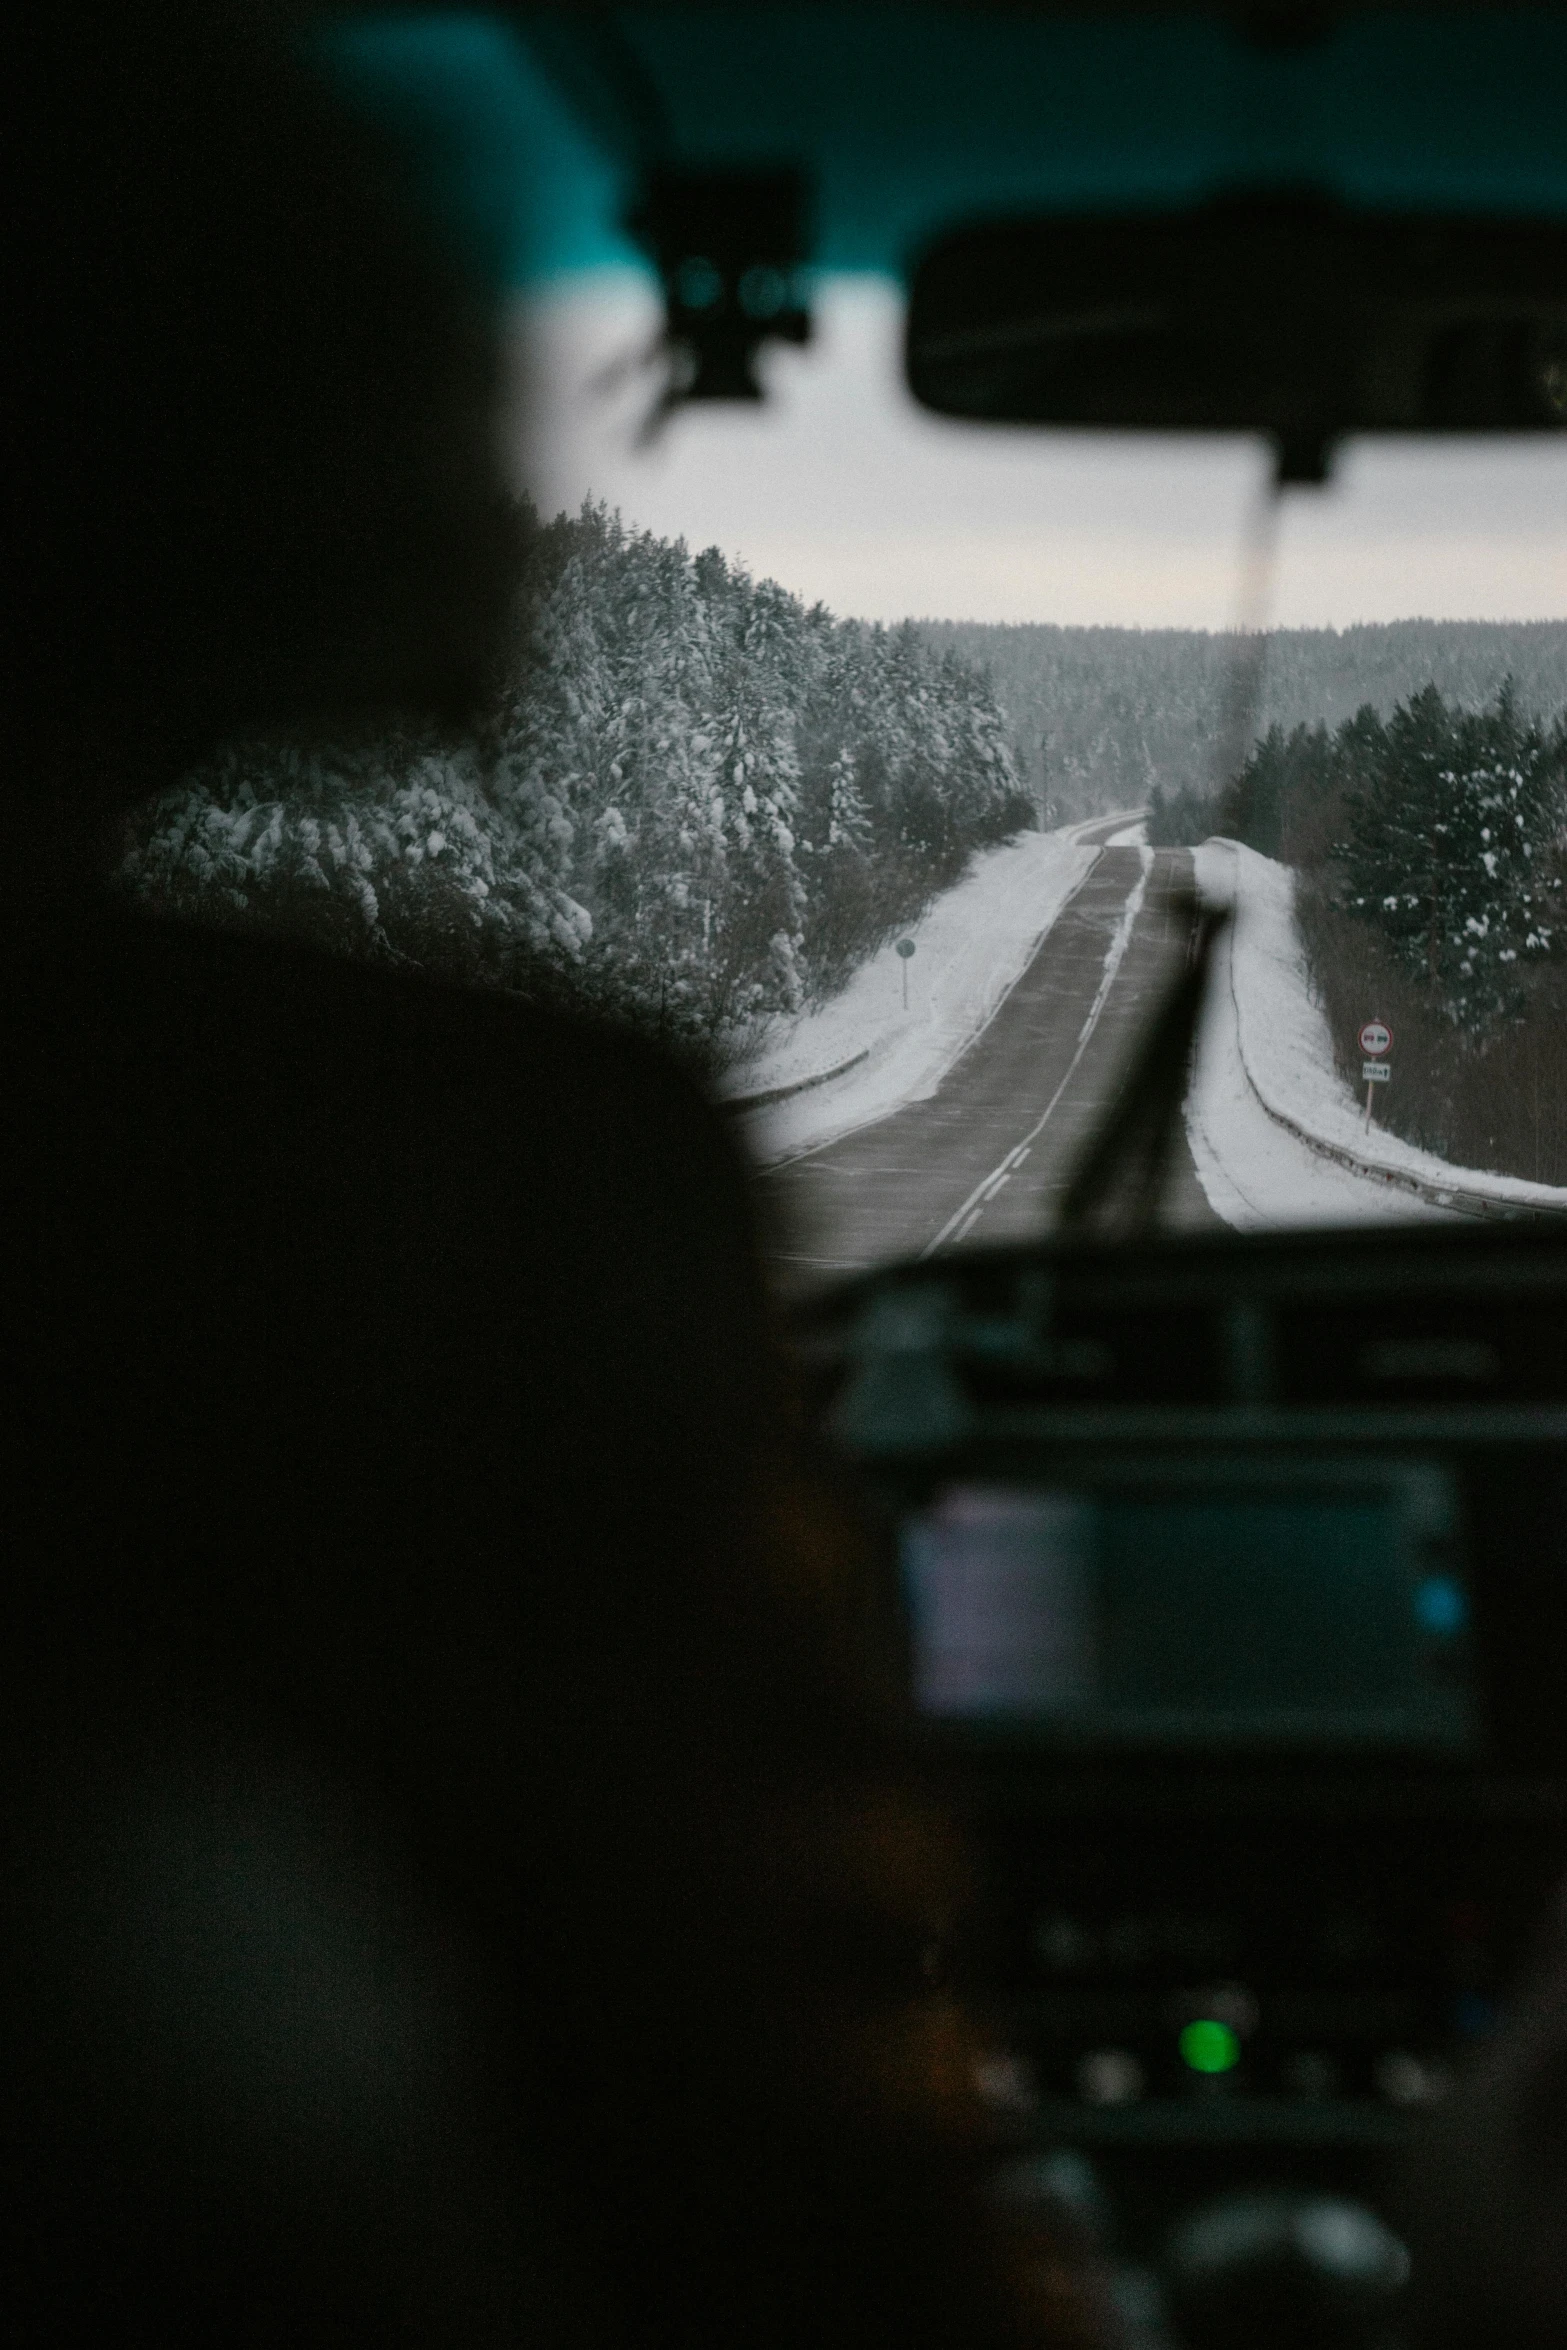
{"x": 1233, "y": 1563}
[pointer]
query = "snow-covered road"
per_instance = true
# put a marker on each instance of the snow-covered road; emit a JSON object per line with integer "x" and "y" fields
{"x": 884, "y": 1130}
{"x": 983, "y": 1155}
{"x": 864, "y": 1053}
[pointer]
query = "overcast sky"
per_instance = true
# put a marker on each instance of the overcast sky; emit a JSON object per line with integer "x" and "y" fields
{"x": 843, "y": 490}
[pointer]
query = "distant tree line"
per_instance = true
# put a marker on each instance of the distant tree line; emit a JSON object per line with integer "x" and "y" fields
{"x": 1431, "y": 850}
{"x": 694, "y": 801}
{"x": 1099, "y": 717}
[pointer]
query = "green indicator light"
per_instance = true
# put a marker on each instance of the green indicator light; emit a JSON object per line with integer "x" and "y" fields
{"x": 1209, "y": 2047}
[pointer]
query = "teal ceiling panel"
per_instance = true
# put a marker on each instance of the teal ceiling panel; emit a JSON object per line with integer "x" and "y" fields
{"x": 913, "y": 118}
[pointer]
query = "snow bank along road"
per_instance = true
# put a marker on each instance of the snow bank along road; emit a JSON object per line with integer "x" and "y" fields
{"x": 986, "y": 1156}
{"x": 1278, "y": 1136}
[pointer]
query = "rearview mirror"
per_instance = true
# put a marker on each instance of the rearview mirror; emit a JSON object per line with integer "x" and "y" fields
{"x": 1294, "y": 317}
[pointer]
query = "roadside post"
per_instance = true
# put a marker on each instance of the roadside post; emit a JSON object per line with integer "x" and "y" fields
{"x": 905, "y": 949}
{"x": 1376, "y": 1042}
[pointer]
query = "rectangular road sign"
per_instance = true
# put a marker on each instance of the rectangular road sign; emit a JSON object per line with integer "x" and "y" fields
{"x": 1375, "y": 1072}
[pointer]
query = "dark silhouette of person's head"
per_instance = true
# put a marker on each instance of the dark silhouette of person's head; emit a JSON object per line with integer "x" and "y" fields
{"x": 254, "y": 465}
{"x": 457, "y": 1885}
{"x": 251, "y": 481}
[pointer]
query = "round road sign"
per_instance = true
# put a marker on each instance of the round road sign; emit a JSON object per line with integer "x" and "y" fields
{"x": 1376, "y": 1038}
{"x": 905, "y": 948}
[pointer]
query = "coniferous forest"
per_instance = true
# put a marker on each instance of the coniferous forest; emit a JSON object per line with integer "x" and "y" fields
{"x": 693, "y": 801}
{"x": 1100, "y": 717}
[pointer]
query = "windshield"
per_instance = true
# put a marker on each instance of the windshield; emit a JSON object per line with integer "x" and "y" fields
{"x": 881, "y": 765}
{"x": 1060, "y": 681}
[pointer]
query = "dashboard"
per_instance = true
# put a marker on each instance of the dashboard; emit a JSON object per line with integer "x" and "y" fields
{"x": 1231, "y": 1582}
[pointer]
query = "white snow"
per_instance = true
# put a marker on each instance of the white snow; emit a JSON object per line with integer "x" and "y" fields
{"x": 1131, "y": 836}
{"x": 1268, "y": 1110}
{"x": 970, "y": 948}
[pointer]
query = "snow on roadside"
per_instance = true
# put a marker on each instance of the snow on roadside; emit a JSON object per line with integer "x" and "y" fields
{"x": 970, "y": 947}
{"x": 1265, "y": 1046}
{"x": 1256, "y": 1174}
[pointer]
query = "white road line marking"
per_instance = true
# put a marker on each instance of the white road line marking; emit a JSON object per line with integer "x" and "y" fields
{"x": 967, "y": 1216}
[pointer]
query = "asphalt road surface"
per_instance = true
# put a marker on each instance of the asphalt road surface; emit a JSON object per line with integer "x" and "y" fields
{"x": 987, "y": 1157}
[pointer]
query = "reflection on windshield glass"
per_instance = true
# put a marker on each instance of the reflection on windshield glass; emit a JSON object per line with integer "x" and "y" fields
{"x": 879, "y": 765}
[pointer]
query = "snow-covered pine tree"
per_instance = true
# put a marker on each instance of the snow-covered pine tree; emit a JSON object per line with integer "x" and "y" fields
{"x": 759, "y": 685}
{"x": 1282, "y": 779}
{"x": 1455, "y": 824}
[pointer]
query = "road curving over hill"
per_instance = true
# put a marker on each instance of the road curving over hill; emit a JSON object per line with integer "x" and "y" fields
{"x": 986, "y": 1157}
